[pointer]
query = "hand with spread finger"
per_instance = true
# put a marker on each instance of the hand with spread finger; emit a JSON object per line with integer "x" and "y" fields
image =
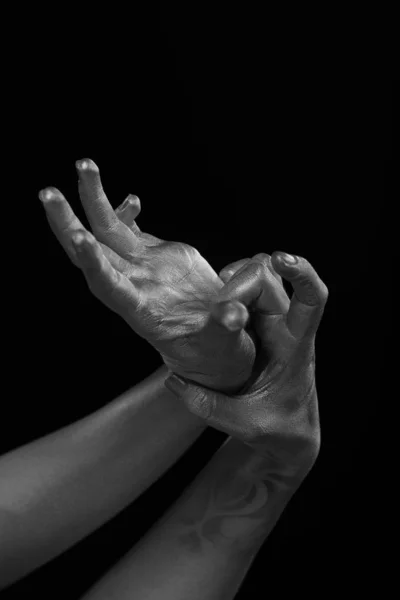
{"x": 276, "y": 413}
{"x": 164, "y": 290}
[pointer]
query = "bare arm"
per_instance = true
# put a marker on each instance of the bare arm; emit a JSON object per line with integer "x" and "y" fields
{"x": 204, "y": 545}
{"x": 202, "y": 548}
{"x": 58, "y": 489}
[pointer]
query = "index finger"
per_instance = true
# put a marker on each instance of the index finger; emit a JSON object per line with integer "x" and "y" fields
{"x": 62, "y": 220}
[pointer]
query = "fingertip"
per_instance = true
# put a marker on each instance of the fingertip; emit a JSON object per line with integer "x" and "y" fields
{"x": 176, "y": 384}
{"x": 225, "y": 276}
{"x": 285, "y": 260}
{"x": 84, "y": 242}
{"x": 86, "y": 165}
{"x": 131, "y": 201}
{"x": 50, "y": 194}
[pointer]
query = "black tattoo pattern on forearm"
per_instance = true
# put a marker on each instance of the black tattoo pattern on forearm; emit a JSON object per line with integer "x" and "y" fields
{"x": 233, "y": 506}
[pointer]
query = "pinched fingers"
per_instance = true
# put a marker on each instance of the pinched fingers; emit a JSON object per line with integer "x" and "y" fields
{"x": 278, "y": 411}
{"x": 256, "y": 287}
{"x": 230, "y": 270}
{"x": 266, "y": 259}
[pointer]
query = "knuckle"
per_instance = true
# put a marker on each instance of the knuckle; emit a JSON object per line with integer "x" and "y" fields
{"x": 234, "y": 267}
{"x": 262, "y": 257}
{"x": 257, "y": 267}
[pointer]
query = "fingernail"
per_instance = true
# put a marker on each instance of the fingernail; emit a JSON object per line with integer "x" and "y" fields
{"x": 86, "y": 164}
{"x": 81, "y": 165}
{"x": 287, "y": 259}
{"x": 175, "y": 383}
{"x": 125, "y": 203}
{"x": 47, "y": 194}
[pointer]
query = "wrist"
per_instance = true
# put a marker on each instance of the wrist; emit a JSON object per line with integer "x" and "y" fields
{"x": 234, "y": 503}
{"x": 230, "y": 385}
{"x": 292, "y": 467}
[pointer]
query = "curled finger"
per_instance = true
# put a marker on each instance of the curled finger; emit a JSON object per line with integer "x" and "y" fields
{"x": 128, "y": 211}
{"x": 62, "y": 220}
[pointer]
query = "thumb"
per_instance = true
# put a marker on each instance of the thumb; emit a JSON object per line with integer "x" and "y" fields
{"x": 309, "y": 297}
{"x": 229, "y": 414}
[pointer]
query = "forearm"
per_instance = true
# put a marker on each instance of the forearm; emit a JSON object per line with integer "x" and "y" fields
{"x": 204, "y": 545}
{"x": 60, "y": 488}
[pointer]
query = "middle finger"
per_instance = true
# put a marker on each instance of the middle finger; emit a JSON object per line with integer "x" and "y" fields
{"x": 102, "y": 218}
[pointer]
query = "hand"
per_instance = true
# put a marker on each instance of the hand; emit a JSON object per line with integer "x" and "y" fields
{"x": 277, "y": 411}
{"x": 163, "y": 290}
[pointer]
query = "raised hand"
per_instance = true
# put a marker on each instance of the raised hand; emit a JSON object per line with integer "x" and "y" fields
{"x": 277, "y": 411}
{"x": 164, "y": 290}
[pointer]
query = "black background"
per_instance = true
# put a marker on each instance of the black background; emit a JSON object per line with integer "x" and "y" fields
{"x": 241, "y": 133}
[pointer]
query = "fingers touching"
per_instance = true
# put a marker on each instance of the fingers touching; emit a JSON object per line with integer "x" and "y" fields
{"x": 255, "y": 286}
{"x": 266, "y": 259}
{"x": 233, "y": 268}
{"x": 257, "y": 283}
{"x": 227, "y": 272}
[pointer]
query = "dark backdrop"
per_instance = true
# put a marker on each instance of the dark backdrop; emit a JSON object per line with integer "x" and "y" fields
{"x": 241, "y": 134}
